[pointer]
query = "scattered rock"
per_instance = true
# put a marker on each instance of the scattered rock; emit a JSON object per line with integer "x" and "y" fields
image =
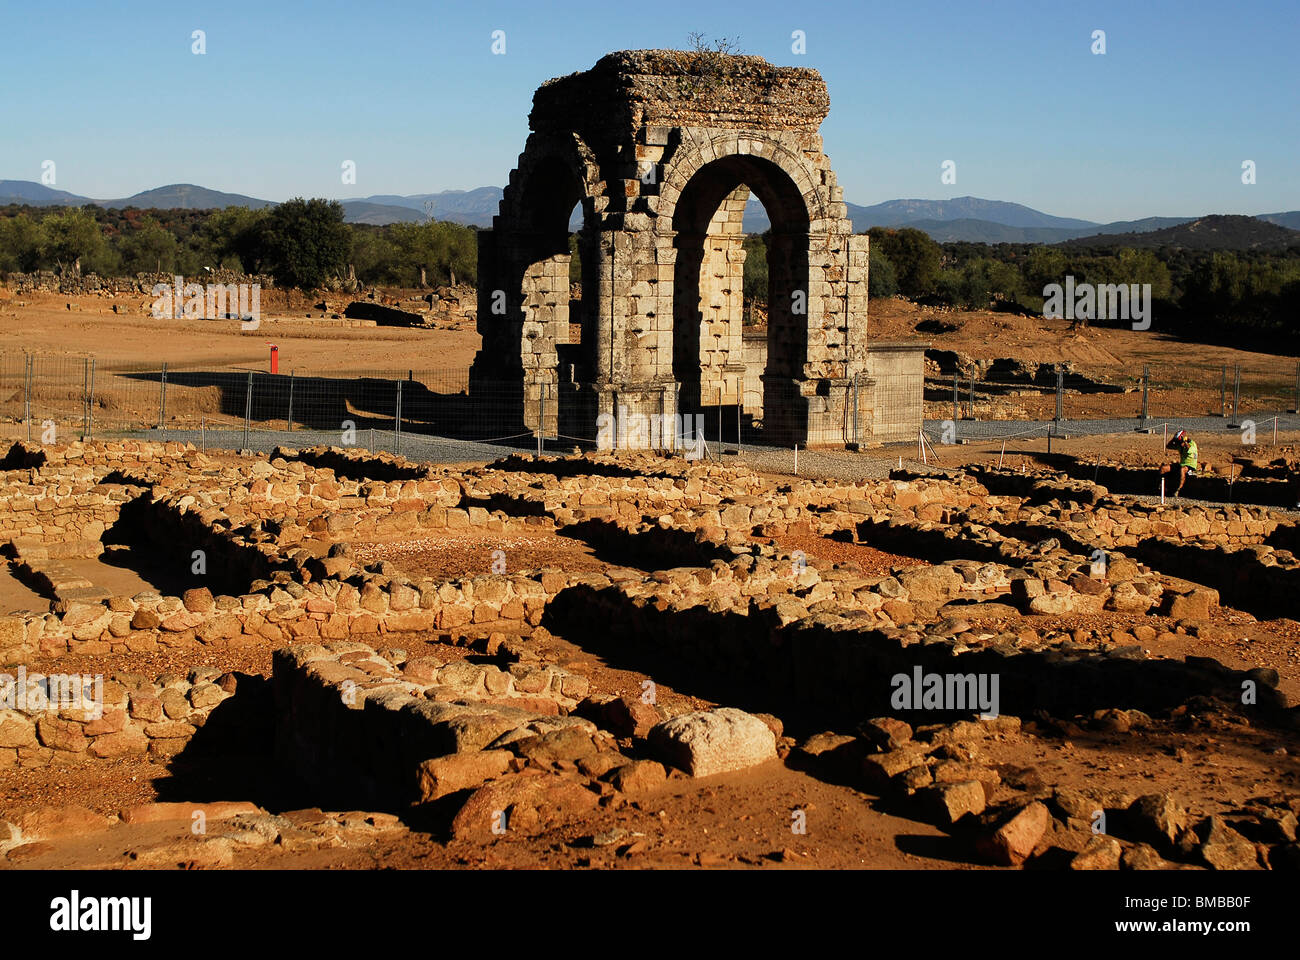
{"x": 1223, "y": 848}
{"x": 1013, "y": 842}
{"x": 713, "y": 741}
{"x": 952, "y": 801}
{"x": 1101, "y": 853}
{"x": 1158, "y": 817}
{"x": 444, "y": 775}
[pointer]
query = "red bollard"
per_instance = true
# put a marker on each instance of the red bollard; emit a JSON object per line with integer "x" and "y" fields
{"x": 275, "y": 359}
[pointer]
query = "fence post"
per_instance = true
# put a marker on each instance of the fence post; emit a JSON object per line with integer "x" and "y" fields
{"x": 85, "y": 387}
{"x": 90, "y": 403}
{"x": 1296, "y": 407}
{"x": 1060, "y": 396}
{"x": 956, "y": 411}
{"x": 372, "y": 439}
{"x": 541, "y": 419}
{"x": 248, "y": 409}
{"x": 397, "y": 422}
{"x": 162, "y": 400}
{"x": 720, "y": 451}
{"x": 740, "y": 450}
{"x": 1223, "y": 390}
{"x": 27, "y": 392}
{"x": 288, "y": 425}
{"x": 855, "y": 415}
{"x": 971, "y": 412}
{"x": 1146, "y": 386}
{"x": 1236, "y": 395}
{"x": 203, "y": 434}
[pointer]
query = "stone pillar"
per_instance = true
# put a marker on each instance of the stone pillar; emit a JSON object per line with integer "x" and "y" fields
{"x": 545, "y": 310}
{"x": 721, "y": 355}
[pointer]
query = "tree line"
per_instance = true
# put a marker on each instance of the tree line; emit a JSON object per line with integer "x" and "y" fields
{"x": 1225, "y": 295}
{"x": 301, "y": 243}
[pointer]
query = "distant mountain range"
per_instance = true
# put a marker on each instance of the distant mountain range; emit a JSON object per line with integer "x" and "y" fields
{"x": 176, "y": 196}
{"x": 970, "y": 219}
{"x": 1215, "y": 232}
{"x": 188, "y": 196}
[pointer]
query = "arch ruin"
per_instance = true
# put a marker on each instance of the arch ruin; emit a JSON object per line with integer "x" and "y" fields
{"x": 660, "y": 150}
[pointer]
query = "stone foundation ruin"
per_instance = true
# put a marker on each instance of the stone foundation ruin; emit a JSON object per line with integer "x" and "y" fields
{"x": 476, "y": 700}
{"x": 661, "y": 149}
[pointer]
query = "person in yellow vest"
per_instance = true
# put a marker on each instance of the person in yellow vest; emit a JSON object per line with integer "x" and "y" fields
{"x": 1187, "y": 458}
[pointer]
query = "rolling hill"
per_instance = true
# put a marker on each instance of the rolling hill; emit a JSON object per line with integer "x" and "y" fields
{"x": 379, "y": 214}
{"x": 474, "y": 207}
{"x": 969, "y": 219}
{"x": 185, "y": 196}
{"x": 895, "y": 212}
{"x": 1291, "y": 220}
{"x": 1215, "y": 232}
{"x": 38, "y": 194}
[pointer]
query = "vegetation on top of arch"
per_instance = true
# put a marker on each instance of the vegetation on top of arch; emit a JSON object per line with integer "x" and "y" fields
{"x": 706, "y": 66}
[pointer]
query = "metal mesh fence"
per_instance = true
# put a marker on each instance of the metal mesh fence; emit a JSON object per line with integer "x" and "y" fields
{"x": 1035, "y": 393}
{"x": 433, "y": 414}
{"x": 387, "y": 409}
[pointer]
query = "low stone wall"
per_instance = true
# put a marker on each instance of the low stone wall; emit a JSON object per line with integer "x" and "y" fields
{"x": 1236, "y": 552}
{"x": 356, "y": 725}
{"x": 50, "y": 510}
{"x": 828, "y": 669}
{"x": 1115, "y": 521}
{"x": 134, "y": 717}
{"x": 1120, "y": 479}
{"x": 278, "y": 613}
{"x": 47, "y": 281}
{"x": 358, "y": 464}
{"x": 1255, "y": 578}
{"x": 45, "y": 568}
{"x": 108, "y": 454}
{"x": 614, "y": 488}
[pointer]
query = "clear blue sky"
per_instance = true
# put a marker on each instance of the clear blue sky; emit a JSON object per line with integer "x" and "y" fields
{"x": 411, "y": 92}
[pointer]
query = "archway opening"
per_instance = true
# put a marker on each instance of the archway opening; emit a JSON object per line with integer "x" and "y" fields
{"x": 739, "y": 325}
{"x": 535, "y": 257}
{"x": 578, "y": 351}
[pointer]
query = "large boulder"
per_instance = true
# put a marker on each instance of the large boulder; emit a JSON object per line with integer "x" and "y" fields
{"x": 713, "y": 741}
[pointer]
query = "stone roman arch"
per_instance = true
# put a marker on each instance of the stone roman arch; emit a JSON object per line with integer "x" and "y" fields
{"x": 661, "y": 149}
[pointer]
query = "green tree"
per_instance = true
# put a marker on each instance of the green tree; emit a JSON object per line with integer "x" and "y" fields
{"x": 305, "y": 242}
{"x": 149, "y": 249}
{"x": 1005, "y": 280}
{"x": 445, "y": 252}
{"x": 1143, "y": 266}
{"x": 977, "y": 281}
{"x": 459, "y": 249}
{"x": 73, "y": 241}
{"x": 373, "y": 255}
{"x": 575, "y": 259}
{"x": 20, "y": 244}
{"x": 916, "y": 258}
{"x": 755, "y": 287}
{"x": 233, "y": 237}
{"x": 1044, "y": 266}
{"x": 882, "y": 279}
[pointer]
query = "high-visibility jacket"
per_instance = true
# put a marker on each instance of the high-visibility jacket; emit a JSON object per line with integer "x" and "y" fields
{"x": 1189, "y": 456}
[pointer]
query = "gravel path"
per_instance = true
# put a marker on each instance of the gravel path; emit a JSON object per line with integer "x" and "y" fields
{"x": 870, "y": 464}
{"x": 414, "y": 446}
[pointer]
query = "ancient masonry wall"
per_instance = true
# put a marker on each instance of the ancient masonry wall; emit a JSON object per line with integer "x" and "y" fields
{"x": 134, "y": 716}
{"x": 662, "y": 159}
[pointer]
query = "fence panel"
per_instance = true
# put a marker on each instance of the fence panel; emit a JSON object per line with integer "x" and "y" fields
{"x": 65, "y": 397}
